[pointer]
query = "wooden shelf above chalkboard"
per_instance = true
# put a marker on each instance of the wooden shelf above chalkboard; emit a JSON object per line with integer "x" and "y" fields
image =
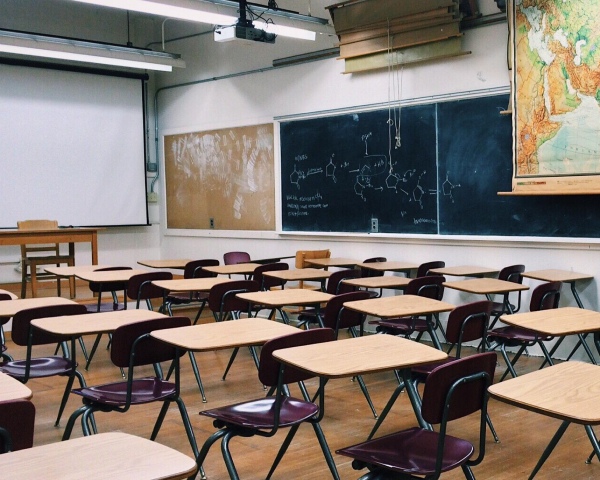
{"x": 550, "y": 192}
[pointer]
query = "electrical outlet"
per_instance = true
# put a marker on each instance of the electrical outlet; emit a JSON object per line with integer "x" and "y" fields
{"x": 374, "y": 225}
{"x": 211, "y": 221}
{"x": 152, "y": 197}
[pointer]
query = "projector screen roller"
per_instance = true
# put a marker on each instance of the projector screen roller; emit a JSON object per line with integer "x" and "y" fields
{"x": 71, "y": 147}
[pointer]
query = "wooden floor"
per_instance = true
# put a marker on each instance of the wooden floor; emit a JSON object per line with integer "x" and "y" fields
{"x": 347, "y": 420}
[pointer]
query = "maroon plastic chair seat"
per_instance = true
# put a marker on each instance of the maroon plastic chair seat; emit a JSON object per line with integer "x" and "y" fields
{"x": 132, "y": 346}
{"x": 17, "y": 418}
{"x": 265, "y": 416}
{"x": 543, "y": 297}
{"x": 24, "y": 334}
{"x": 452, "y": 391}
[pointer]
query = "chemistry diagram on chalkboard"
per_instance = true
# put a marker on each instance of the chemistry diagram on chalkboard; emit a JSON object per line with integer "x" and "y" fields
{"x": 372, "y": 173}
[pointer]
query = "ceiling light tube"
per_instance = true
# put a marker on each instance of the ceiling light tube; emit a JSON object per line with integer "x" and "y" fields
{"x": 20, "y": 43}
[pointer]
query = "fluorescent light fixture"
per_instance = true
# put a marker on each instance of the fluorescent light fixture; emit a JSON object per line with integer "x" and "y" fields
{"x": 223, "y": 12}
{"x": 20, "y": 43}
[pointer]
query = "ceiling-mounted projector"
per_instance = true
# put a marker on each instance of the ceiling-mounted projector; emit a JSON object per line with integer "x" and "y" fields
{"x": 243, "y": 34}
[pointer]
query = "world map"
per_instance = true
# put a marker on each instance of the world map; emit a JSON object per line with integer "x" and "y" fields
{"x": 557, "y": 90}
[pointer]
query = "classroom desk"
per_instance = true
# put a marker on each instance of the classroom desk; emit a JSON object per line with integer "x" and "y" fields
{"x": 235, "y": 269}
{"x": 559, "y": 322}
{"x": 464, "y": 271}
{"x": 109, "y": 276}
{"x": 404, "y": 267}
{"x": 9, "y": 308}
{"x": 363, "y": 355}
{"x": 69, "y": 272}
{"x": 177, "y": 264}
{"x": 188, "y": 285}
{"x": 12, "y": 389}
{"x": 332, "y": 262}
{"x": 99, "y": 457}
{"x": 564, "y": 276}
{"x": 278, "y": 299}
{"x": 385, "y": 281}
{"x": 300, "y": 275}
{"x": 61, "y": 235}
{"x": 264, "y": 261}
{"x": 567, "y": 392}
{"x": 487, "y": 287}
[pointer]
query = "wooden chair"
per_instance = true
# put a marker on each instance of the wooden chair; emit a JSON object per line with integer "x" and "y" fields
{"x": 303, "y": 255}
{"x": 43, "y": 254}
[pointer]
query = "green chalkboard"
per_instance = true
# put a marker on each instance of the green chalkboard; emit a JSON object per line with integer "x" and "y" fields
{"x": 340, "y": 172}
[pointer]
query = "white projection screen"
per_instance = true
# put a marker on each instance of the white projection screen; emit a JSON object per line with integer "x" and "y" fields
{"x": 71, "y": 147}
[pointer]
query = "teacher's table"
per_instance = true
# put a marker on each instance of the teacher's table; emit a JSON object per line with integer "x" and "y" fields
{"x": 487, "y": 287}
{"x": 12, "y": 389}
{"x": 60, "y": 235}
{"x": 177, "y": 264}
{"x": 567, "y": 392}
{"x": 300, "y": 275}
{"x": 363, "y": 355}
{"x": 294, "y": 297}
{"x": 99, "y": 457}
{"x": 464, "y": 271}
{"x": 559, "y": 322}
{"x": 332, "y": 262}
{"x": 392, "y": 266}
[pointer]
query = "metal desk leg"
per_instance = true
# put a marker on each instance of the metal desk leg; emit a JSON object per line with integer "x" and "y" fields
{"x": 555, "y": 439}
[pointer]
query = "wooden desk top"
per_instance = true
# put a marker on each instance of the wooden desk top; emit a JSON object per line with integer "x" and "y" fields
{"x": 556, "y": 321}
{"x": 12, "y": 389}
{"x": 386, "y": 281}
{"x": 108, "y": 276}
{"x": 551, "y": 275}
{"x": 93, "y": 323}
{"x": 9, "y": 308}
{"x": 220, "y": 335}
{"x": 359, "y": 356}
{"x": 190, "y": 284}
{"x": 73, "y": 271}
{"x": 298, "y": 274}
{"x": 179, "y": 263}
{"x": 485, "y": 286}
{"x": 236, "y": 269}
{"x": 99, "y": 457}
{"x": 399, "y": 306}
{"x": 567, "y": 391}
{"x": 464, "y": 271}
{"x": 285, "y": 298}
{"x": 332, "y": 262}
{"x": 390, "y": 266}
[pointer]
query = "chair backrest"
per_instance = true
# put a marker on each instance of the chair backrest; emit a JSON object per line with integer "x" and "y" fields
{"x": 231, "y": 258}
{"x": 17, "y": 418}
{"x": 5, "y": 296}
{"x": 140, "y": 287}
{"x": 468, "y": 322}
{"x": 194, "y": 268}
{"x": 369, "y": 272}
{"x": 545, "y": 296}
{"x": 147, "y": 350}
{"x": 337, "y": 317}
{"x": 424, "y": 268}
{"x": 465, "y": 397}
{"x": 268, "y": 370}
{"x": 303, "y": 255}
{"x": 512, "y": 273}
{"x": 38, "y": 225}
{"x": 21, "y": 323}
{"x": 334, "y": 282}
{"x": 109, "y": 286}
{"x": 431, "y": 286}
{"x": 266, "y": 282}
{"x": 222, "y": 297}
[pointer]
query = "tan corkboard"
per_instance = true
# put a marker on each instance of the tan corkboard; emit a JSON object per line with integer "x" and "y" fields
{"x": 224, "y": 176}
